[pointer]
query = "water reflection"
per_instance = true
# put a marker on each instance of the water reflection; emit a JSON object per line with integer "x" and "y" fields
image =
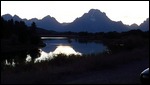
{"x": 44, "y": 56}
{"x": 84, "y": 48}
{"x": 44, "y": 38}
{"x": 67, "y": 50}
{"x": 36, "y": 55}
{"x": 54, "y": 46}
{"x": 20, "y": 58}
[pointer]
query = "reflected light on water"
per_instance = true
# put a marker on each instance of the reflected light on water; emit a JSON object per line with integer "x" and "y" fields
{"x": 28, "y": 59}
{"x": 9, "y": 63}
{"x": 53, "y": 38}
{"x": 67, "y": 50}
{"x": 44, "y": 56}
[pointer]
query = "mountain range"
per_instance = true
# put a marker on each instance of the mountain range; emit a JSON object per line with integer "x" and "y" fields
{"x": 93, "y": 21}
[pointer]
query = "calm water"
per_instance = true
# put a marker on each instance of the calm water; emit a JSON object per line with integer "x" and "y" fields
{"x": 57, "y": 45}
{"x": 83, "y": 48}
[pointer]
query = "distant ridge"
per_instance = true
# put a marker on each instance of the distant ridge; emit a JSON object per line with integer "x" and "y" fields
{"x": 93, "y": 21}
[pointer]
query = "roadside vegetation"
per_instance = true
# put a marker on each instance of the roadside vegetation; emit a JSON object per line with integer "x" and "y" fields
{"x": 123, "y": 48}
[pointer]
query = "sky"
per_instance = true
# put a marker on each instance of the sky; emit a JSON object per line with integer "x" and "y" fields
{"x": 128, "y": 12}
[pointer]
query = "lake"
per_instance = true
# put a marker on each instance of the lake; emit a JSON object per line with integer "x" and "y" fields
{"x": 57, "y": 45}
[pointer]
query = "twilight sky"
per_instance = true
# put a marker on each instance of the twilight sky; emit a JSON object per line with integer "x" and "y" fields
{"x": 128, "y": 12}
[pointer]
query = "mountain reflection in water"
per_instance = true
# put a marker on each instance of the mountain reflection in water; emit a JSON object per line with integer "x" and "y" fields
{"x": 54, "y": 46}
{"x": 67, "y": 50}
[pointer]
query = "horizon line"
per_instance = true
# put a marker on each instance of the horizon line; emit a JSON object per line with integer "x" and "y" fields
{"x": 64, "y": 21}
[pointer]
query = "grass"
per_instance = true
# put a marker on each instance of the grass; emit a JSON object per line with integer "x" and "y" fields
{"x": 52, "y": 70}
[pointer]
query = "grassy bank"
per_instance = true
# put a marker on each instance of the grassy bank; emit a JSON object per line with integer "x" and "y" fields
{"x": 123, "y": 49}
{"x": 53, "y": 70}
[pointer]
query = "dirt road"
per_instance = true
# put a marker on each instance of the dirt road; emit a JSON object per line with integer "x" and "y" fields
{"x": 124, "y": 74}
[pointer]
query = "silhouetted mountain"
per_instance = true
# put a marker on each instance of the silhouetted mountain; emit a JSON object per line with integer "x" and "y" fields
{"x": 133, "y": 26}
{"x": 49, "y": 23}
{"x": 41, "y": 31}
{"x": 16, "y": 18}
{"x": 93, "y": 21}
{"x": 7, "y": 16}
{"x": 145, "y": 25}
{"x": 28, "y": 22}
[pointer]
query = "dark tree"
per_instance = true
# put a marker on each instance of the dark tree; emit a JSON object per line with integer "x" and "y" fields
{"x": 35, "y": 38}
{"x": 33, "y": 27}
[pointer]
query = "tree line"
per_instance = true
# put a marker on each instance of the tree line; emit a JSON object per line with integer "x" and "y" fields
{"x": 19, "y": 32}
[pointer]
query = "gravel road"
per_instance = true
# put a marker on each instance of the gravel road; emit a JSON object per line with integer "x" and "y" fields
{"x": 122, "y": 74}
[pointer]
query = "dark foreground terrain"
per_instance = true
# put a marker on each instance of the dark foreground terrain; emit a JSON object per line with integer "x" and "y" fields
{"x": 120, "y": 68}
{"x": 122, "y": 74}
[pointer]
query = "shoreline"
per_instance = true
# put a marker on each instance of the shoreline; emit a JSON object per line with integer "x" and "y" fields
{"x": 120, "y": 68}
{"x": 6, "y": 49}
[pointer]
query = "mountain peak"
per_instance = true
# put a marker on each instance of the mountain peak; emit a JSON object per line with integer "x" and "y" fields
{"x": 95, "y": 15}
{"x": 134, "y": 25}
{"x": 15, "y": 15}
{"x": 7, "y": 16}
{"x": 47, "y": 17}
{"x": 147, "y": 20}
{"x": 16, "y": 18}
{"x": 33, "y": 19}
{"x": 96, "y": 12}
{"x": 145, "y": 25}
